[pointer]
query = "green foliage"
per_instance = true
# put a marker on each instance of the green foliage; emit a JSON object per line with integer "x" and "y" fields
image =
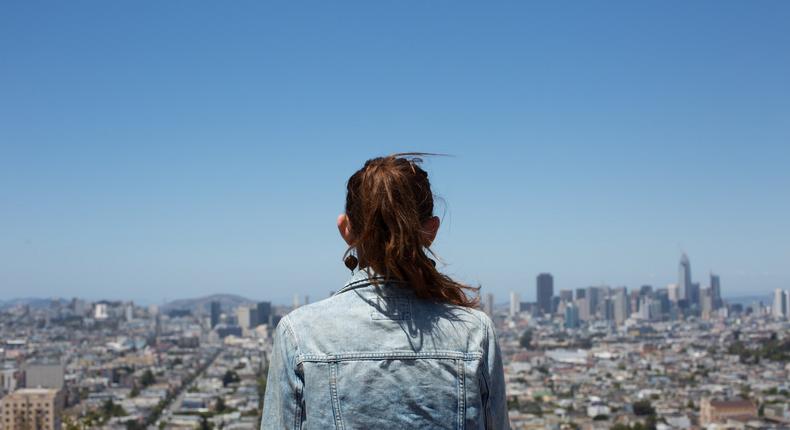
{"x": 230, "y": 377}
{"x": 148, "y": 378}
{"x": 643, "y": 408}
{"x": 220, "y": 406}
{"x": 111, "y": 409}
{"x": 772, "y": 349}
{"x": 526, "y": 339}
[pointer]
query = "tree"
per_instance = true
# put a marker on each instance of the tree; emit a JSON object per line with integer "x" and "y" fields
{"x": 220, "y": 406}
{"x": 230, "y": 377}
{"x": 643, "y": 408}
{"x": 204, "y": 424}
{"x": 148, "y": 378}
{"x": 526, "y": 339}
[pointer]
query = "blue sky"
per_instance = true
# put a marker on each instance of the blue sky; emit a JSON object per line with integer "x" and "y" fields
{"x": 160, "y": 150}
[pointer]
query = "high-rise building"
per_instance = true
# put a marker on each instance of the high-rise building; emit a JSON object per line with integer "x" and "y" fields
{"x": 580, "y": 293}
{"x": 264, "y": 313}
{"x": 488, "y": 307}
{"x": 566, "y": 296}
{"x": 44, "y": 374}
{"x": 515, "y": 304}
{"x": 296, "y": 301}
{"x": 571, "y": 316}
{"x": 247, "y": 316}
{"x": 694, "y": 295}
{"x": 583, "y": 309}
{"x": 216, "y": 311}
{"x": 673, "y": 292}
{"x": 706, "y": 303}
{"x": 32, "y": 408}
{"x": 620, "y": 305}
{"x": 715, "y": 290}
{"x": 545, "y": 291}
{"x": 780, "y": 304}
{"x": 593, "y": 303}
{"x": 684, "y": 277}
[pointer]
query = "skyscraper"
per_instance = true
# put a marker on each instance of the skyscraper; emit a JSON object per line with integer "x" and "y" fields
{"x": 694, "y": 295}
{"x": 264, "y": 313}
{"x": 673, "y": 292}
{"x": 780, "y": 304}
{"x": 620, "y": 305}
{"x": 545, "y": 291}
{"x": 488, "y": 307}
{"x": 715, "y": 291}
{"x": 571, "y": 316}
{"x": 216, "y": 310}
{"x": 247, "y": 316}
{"x": 684, "y": 278}
{"x": 515, "y": 305}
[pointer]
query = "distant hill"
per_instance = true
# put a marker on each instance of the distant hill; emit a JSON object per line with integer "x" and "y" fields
{"x": 766, "y": 299}
{"x": 201, "y": 304}
{"x": 33, "y": 302}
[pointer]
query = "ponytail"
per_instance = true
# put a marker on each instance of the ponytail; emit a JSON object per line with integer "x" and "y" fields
{"x": 387, "y": 202}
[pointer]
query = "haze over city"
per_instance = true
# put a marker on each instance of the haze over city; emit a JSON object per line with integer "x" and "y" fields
{"x": 165, "y": 151}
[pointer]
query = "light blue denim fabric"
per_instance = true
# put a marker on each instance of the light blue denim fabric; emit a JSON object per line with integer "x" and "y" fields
{"x": 378, "y": 357}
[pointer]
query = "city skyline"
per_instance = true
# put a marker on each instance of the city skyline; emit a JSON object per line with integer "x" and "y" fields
{"x": 176, "y": 150}
{"x": 487, "y": 297}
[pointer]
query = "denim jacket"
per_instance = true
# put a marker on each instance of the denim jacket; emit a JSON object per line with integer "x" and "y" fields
{"x": 378, "y": 357}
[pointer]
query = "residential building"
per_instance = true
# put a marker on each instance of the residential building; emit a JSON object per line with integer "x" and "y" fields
{"x": 31, "y": 408}
{"x": 545, "y": 290}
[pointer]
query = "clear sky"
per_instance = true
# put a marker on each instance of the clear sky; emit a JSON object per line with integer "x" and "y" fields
{"x": 165, "y": 149}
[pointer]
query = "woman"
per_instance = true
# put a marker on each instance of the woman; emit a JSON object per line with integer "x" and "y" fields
{"x": 401, "y": 345}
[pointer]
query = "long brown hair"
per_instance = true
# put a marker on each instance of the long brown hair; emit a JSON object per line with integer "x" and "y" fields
{"x": 387, "y": 202}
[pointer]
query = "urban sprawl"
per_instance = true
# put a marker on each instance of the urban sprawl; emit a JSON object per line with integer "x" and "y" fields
{"x": 676, "y": 357}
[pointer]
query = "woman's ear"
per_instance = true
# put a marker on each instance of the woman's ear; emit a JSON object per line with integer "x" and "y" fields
{"x": 431, "y": 228}
{"x": 344, "y": 227}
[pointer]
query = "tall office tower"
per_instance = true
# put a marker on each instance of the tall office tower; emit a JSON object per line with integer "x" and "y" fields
{"x": 684, "y": 277}
{"x": 603, "y": 309}
{"x": 673, "y": 292}
{"x": 607, "y": 309}
{"x": 545, "y": 291}
{"x": 264, "y": 314}
{"x": 216, "y": 310}
{"x": 515, "y": 304}
{"x": 583, "y": 309}
{"x": 662, "y": 296}
{"x": 296, "y": 301}
{"x": 32, "y": 408}
{"x": 129, "y": 311}
{"x": 488, "y": 307}
{"x": 593, "y": 299}
{"x": 634, "y": 301}
{"x": 571, "y": 315}
{"x": 780, "y": 304}
{"x": 715, "y": 290}
{"x": 555, "y": 304}
{"x": 694, "y": 295}
{"x": 787, "y": 304}
{"x": 645, "y": 290}
{"x": 644, "y": 307}
{"x": 566, "y": 296}
{"x": 247, "y": 316}
{"x": 620, "y": 305}
{"x": 706, "y": 302}
{"x": 580, "y": 293}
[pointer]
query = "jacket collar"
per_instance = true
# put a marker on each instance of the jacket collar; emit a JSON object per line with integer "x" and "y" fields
{"x": 361, "y": 278}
